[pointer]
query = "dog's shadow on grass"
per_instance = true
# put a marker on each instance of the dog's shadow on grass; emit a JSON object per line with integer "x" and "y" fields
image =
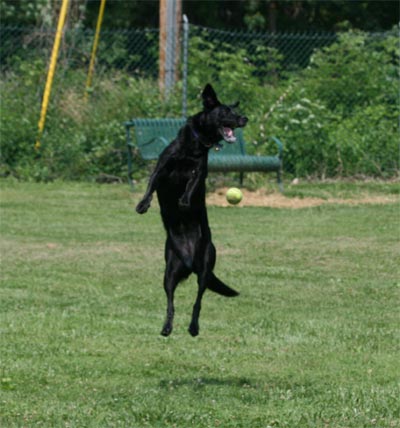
{"x": 202, "y": 382}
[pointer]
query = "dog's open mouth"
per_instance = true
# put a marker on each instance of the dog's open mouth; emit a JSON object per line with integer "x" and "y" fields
{"x": 227, "y": 134}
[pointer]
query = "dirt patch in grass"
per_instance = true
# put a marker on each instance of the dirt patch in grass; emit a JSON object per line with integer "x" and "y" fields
{"x": 260, "y": 198}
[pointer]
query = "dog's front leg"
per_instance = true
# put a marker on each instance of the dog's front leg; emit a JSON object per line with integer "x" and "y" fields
{"x": 144, "y": 204}
{"x": 184, "y": 200}
{"x": 191, "y": 186}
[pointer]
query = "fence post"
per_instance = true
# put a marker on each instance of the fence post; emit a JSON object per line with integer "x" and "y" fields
{"x": 185, "y": 64}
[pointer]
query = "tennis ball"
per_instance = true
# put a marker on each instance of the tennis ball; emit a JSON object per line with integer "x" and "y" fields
{"x": 234, "y": 195}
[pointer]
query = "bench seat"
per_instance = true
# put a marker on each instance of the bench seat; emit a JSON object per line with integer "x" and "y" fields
{"x": 153, "y": 135}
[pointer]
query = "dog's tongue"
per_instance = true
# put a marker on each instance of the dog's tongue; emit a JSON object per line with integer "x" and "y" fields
{"x": 228, "y": 132}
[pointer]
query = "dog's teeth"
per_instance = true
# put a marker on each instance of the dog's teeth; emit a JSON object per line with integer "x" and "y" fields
{"x": 228, "y": 132}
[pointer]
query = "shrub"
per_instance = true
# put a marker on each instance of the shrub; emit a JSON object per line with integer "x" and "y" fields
{"x": 338, "y": 116}
{"x": 365, "y": 143}
{"x": 238, "y": 73}
{"x": 82, "y": 139}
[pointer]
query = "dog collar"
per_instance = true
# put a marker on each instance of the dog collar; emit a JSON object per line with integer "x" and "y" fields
{"x": 217, "y": 146}
{"x": 196, "y": 135}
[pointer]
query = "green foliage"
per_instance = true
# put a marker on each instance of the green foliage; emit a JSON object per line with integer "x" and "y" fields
{"x": 340, "y": 117}
{"x": 303, "y": 125}
{"x": 19, "y": 115}
{"x": 82, "y": 139}
{"x": 356, "y": 71}
{"x": 239, "y": 71}
{"x": 252, "y": 14}
{"x": 365, "y": 142}
{"x": 27, "y": 12}
{"x": 337, "y": 117}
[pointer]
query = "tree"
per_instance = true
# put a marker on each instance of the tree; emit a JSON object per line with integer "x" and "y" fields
{"x": 260, "y": 15}
{"x": 321, "y": 15}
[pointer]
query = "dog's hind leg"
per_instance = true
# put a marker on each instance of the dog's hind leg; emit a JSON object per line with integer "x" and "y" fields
{"x": 207, "y": 279}
{"x": 175, "y": 272}
{"x": 204, "y": 267}
{"x": 194, "y": 325}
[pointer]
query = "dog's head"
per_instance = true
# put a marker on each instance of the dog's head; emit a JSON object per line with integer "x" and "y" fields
{"x": 219, "y": 120}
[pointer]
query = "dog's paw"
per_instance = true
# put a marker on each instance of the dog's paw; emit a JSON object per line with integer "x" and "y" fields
{"x": 143, "y": 206}
{"x": 194, "y": 329}
{"x": 167, "y": 330}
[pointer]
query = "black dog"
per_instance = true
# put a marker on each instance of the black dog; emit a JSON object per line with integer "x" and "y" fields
{"x": 179, "y": 179}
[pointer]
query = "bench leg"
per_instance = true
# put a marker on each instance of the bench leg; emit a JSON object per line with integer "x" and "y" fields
{"x": 130, "y": 167}
{"x": 279, "y": 179}
{"x": 241, "y": 179}
{"x": 129, "y": 155}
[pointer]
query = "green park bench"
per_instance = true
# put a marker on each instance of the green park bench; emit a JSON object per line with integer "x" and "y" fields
{"x": 153, "y": 135}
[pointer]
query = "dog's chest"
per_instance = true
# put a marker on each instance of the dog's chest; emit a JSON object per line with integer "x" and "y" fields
{"x": 186, "y": 168}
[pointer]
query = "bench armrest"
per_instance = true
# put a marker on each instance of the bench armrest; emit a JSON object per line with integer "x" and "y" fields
{"x": 128, "y": 126}
{"x": 280, "y": 146}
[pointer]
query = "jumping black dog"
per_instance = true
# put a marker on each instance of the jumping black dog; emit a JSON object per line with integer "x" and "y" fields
{"x": 179, "y": 180}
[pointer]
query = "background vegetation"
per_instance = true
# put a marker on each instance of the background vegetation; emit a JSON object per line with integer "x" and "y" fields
{"x": 270, "y": 15}
{"x": 337, "y": 116}
{"x": 332, "y": 98}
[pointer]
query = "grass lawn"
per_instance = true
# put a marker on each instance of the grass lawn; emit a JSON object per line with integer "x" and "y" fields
{"x": 312, "y": 341}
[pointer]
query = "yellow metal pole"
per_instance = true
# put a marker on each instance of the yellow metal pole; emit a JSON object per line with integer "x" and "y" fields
{"x": 94, "y": 49}
{"x": 52, "y": 69}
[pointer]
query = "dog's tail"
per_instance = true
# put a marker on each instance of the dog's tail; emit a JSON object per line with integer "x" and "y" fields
{"x": 219, "y": 287}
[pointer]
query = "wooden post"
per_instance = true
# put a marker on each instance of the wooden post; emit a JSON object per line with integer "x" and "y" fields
{"x": 162, "y": 44}
{"x": 169, "y": 46}
{"x": 178, "y": 25}
{"x": 272, "y": 16}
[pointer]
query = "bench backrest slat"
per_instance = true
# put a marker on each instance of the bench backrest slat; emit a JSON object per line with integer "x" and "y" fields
{"x": 153, "y": 135}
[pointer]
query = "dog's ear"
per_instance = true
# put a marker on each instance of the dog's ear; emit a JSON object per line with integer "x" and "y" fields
{"x": 209, "y": 96}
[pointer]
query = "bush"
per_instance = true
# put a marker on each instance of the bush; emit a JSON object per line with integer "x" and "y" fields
{"x": 82, "y": 140}
{"x": 365, "y": 143}
{"x": 338, "y": 117}
{"x": 236, "y": 72}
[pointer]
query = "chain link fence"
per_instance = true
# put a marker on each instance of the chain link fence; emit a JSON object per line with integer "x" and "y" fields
{"x": 293, "y": 49}
{"x": 295, "y": 84}
{"x": 269, "y": 57}
{"x": 137, "y": 50}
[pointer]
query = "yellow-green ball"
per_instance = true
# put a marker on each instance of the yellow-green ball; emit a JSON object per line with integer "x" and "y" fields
{"x": 234, "y": 195}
